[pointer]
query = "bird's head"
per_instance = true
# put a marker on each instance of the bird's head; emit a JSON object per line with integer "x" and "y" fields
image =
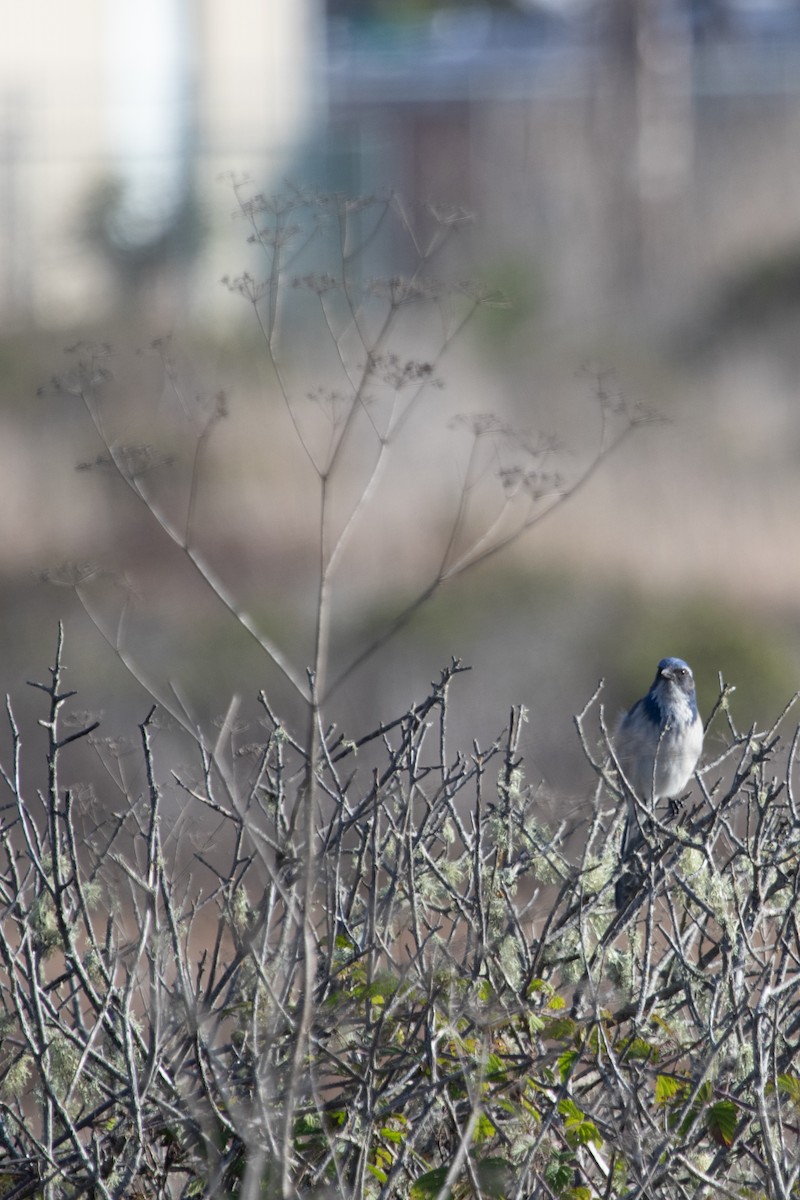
{"x": 674, "y": 682}
{"x": 677, "y": 672}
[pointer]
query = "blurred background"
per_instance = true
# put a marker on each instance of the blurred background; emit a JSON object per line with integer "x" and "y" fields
{"x": 633, "y": 171}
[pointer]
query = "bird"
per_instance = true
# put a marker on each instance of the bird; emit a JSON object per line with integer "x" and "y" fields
{"x": 657, "y": 747}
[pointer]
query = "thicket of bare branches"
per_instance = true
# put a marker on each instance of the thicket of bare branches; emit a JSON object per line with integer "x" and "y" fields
{"x": 480, "y": 1022}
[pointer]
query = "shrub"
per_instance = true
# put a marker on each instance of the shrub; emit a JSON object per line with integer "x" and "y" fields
{"x": 450, "y": 1005}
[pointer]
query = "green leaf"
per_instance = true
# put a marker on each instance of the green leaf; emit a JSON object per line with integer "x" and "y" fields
{"x": 577, "y": 1126}
{"x": 638, "y": 1047}
{"x": 560, "y": 1028}
{"x": 306, "y": 1124}
{"x": 790, "y": 1086}
{"x": 668, "y": 1087}
{"x": 566, "y": 1061}
{"x": 721, "y": 1122}
{"x": 493, "y": 1176}
{"x": 384, "y": 984}
{"x": 559, "y": 1170}
{"x": 484, "y": 1129}
{"x": 495, "y": 1067}
{"x": 540, "y": 985}
{"x": 485, "y": 991}
{"x": 380, "y": 1175}
{"x": 429, "y": 1184}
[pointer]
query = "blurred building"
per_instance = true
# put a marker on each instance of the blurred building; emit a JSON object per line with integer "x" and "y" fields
{"x": 117, "y": 118}
{"x": 624, "y": 149}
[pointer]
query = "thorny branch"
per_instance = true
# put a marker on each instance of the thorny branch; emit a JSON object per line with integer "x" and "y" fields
{"x": 151, "y": 1016}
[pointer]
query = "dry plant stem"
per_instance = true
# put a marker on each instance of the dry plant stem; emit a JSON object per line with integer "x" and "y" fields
{"x": 309, "y": 852}
{"x": 416, "y": 1016}
{"x": 481, "y": 551}
{"x": 332, "y": 550}
{"x": 202, "y": 568}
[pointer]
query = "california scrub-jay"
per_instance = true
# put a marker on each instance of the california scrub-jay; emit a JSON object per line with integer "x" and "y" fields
{"x": 657, "y": 746}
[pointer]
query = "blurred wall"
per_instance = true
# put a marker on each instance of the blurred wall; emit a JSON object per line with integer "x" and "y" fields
{"x": 88, "y": 95}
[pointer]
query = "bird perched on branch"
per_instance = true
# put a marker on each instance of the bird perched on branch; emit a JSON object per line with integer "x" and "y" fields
{"x": 657, "y": 746}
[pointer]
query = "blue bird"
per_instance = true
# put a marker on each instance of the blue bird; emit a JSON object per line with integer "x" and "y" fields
{"x": 657, "y": 746}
